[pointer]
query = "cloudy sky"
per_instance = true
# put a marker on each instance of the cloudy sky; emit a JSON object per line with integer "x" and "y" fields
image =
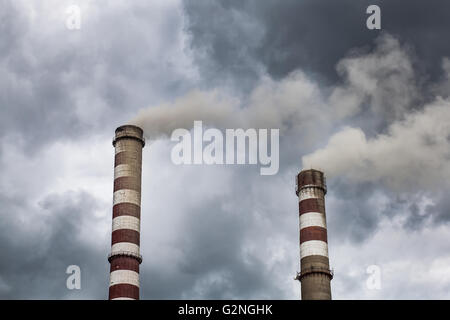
{"x": 369, "y": 107}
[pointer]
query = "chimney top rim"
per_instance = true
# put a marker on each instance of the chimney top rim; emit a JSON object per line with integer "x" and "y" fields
{"x": 130, "y": 126}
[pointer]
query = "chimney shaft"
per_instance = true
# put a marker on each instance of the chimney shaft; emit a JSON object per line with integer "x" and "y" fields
{"x": 315, "y": 275}
{"x": 125, "y": 257}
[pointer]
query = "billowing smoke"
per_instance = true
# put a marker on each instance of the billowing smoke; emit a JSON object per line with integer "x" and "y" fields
{"x": 385, "y": 130}
{"x": 291, "y": 103}
{"x": 384, "y": 81}
{"x": 411, "y": 148}
{"x": 415, "y": 152}
{"x": 213, "y": 109}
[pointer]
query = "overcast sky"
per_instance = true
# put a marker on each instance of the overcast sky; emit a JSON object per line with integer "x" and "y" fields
{"x": 369, "y": 107}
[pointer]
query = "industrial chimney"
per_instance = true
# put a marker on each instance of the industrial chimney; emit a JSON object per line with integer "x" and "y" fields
{"x": 315, "y": 274}
{"x": 125, "y": 257}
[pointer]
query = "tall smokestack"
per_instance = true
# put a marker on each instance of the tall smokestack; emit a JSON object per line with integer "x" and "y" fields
{"x": 125, "y": 257}
{"x": 315, "y": 274}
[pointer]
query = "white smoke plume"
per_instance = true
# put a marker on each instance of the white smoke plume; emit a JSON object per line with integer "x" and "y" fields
{"x": 211, "y": 107}
{"x": 415, "y": 152}
{"x": 292, "y": 103}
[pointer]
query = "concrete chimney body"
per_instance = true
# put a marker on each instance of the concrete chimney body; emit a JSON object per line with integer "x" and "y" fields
{"x": 125, "y": 257}
{"x": 315, "y": 274}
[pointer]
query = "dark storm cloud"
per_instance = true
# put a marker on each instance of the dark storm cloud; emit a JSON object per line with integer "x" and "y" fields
{"x": 40, "y": 247}
{"x": 440, "y": 210}
{"x": 212, "y": 264}
{"x": 352, "y": 213}
{"x": 312, "y": 35}
{"x": 219, "y": 248}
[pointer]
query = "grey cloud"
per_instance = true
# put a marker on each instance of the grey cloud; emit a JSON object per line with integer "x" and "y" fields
{"x": 224, "y": 232}
{"x": 56, "y": 83}
{"x": 212, "y": 263}
{"x": 41, "y": 246}
{"x": 225, "y": 37}
{"x": 440, "y": 210}
{"x": 217, "y": 248}
{"x": 351, "y": 211}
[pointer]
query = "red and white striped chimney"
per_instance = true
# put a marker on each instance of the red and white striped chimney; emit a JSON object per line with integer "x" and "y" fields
{"x": 315, "y": 274}
{"x": 125, "y": 257}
